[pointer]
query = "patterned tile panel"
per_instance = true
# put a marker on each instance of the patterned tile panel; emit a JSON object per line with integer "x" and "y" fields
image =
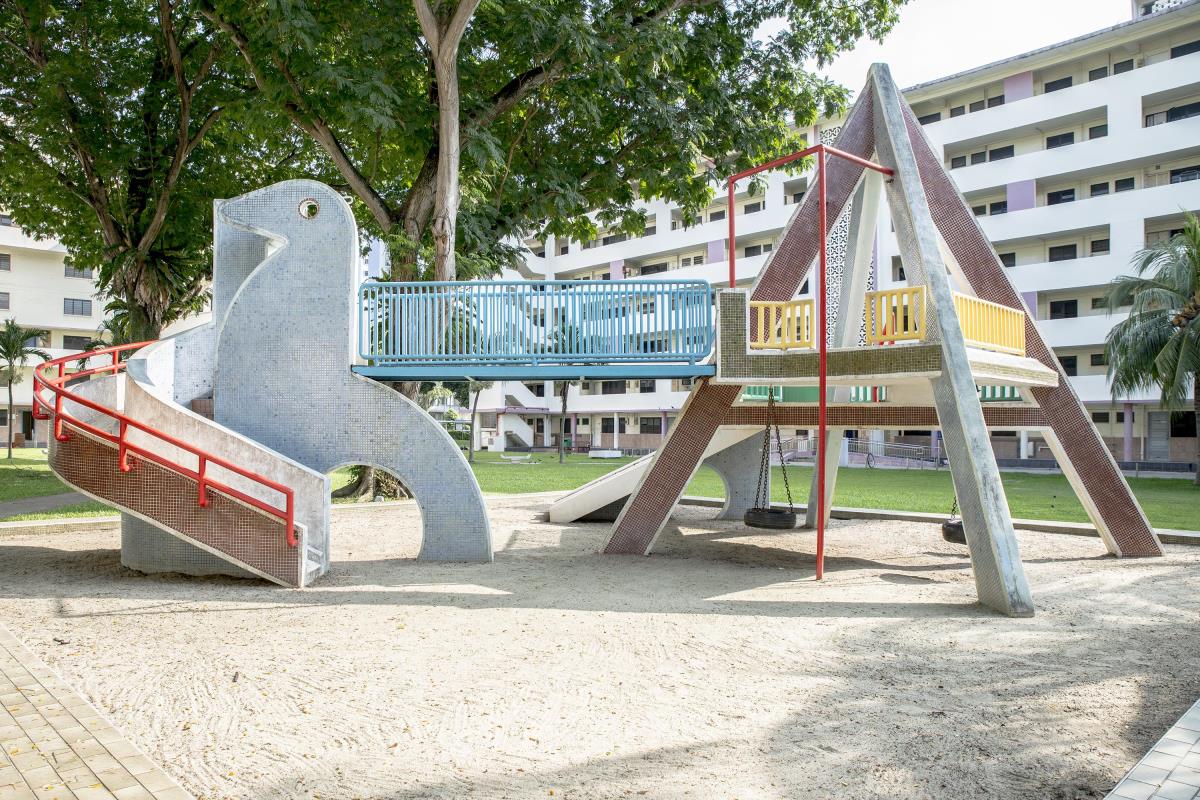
{"x": 1117, "y": 507}
{"x": 226, "y": 525}
{"x": 879, "y": 416}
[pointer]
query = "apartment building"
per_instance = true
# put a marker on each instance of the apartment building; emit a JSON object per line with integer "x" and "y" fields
{"x": 39, "y": 290}
{"x": 1073, "y": 157}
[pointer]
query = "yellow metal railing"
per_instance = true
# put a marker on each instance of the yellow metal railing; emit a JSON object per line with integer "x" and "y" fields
{"x": 989, "y": 325}
{"x": 896, "y": 315}
{"x": 786, "y": 325}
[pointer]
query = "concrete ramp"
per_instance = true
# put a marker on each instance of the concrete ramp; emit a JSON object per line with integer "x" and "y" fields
{"x": 603, "y": 498}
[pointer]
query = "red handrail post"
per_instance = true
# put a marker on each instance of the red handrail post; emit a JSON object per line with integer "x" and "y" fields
{"x": 123, "y": 449}
{"x": 823, "y": 222}
{"x": 201, "y": 494}
{"x": 291, "y": 518}
{"x": 731, "y": 246}
{"x": 58, "y": 399}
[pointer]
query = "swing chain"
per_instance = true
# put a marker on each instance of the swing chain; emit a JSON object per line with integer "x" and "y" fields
{"x": 762, "y": 498}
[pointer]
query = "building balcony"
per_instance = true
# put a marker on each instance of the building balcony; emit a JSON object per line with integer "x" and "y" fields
{"x": 1084, "y": 331}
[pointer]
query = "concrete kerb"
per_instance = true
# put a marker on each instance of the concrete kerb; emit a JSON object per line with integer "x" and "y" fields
{"x": 107, "y": 523}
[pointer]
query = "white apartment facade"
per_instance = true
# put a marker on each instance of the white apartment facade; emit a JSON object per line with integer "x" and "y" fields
{"x": 39, "y": 290}
{"x": 1073, "y": 158}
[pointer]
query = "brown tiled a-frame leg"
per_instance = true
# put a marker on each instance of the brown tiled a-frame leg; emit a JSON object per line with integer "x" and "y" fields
{"x": 1087, "y": 462}
{"x": 648, "y": 509}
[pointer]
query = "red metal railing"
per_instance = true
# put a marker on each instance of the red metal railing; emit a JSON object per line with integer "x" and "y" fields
{"x": 822, "y": 151}
{"x": 57, "y": 384}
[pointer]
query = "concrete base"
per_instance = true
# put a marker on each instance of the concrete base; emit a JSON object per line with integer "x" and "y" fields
{"x": 147, "y": 548}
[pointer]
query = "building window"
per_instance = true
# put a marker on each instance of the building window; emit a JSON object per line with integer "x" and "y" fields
{"x": 1132, "y": 416}
{"x": 1097, "y": 360}
{"x": 5, "y": 262}
{"x": 1063, "y": 252}
{"x": 1183, "y": 112}
{"x": 1008, "y": 259}
{"x": 958, "y": 161}
{"x": 650, "y": 231}
{"x": 38, "y": 341}
{"x": 928, "y": 118}
{"x": 752, "y": 208}
{"x": 1064, "y": 309}
{"x": 77, "y": 308}
{"x": 978, "y": 105}
{"x": 716, "y": 215}
{"x": 1098, "y": 73}
{"x": 1183, "y": 174}
{"x": 3, "y": 417}
{"x": 1070, "y": 365}
{"x": 1098, "y": 189}
{"x": 979, "y": 158}
{"x": 646, "y": 386}
{"x": 1061, "y": 196}
{"x": 650, "y": 425}
{"x": 999, "y": 207}
{"x": 1183, "y": 425}
{"x": 1123, "y": 66}
{"x": 1185, "y": 49}
{"x": 897, "y": 269}
{"x": 539, "y": 254}
{"x": 4, "y": 300}
{"x": 1123, "y": 185}
{"x": 614, "y": 238}
{"x": 612, "y": 387}
{"x": 562, "y": 251}
{"x": 6, "y": 220}
{"x": 75, "y": 342}
{"x": 654, "y": 269}
{"x": 1058, "y": 85}
{"x": 1099, "y": 247}
{"x": 606, "y": 424}
{"x": 1099, "y": 303}
{"x": 958, "y": 111}
{"x": 1098, "y": 131}
{"x": 1060, "y": 140}
{"x": 1100, "y": 417}
{"x": 979, "y": 211}
{"x": 998, "y": 100}
{"x": 998, "y": 153}
{"x": 797, "y": 197}
{"x": 756, "y": 250}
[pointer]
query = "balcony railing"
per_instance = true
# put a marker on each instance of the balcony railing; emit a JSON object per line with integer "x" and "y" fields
{"x": 535, "y": 322}
{"x": 784, "y": 325}
{"x": 895, "y": 315}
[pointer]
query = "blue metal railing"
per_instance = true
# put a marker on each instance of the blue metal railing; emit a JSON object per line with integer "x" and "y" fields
{"x": 535, "y": 322}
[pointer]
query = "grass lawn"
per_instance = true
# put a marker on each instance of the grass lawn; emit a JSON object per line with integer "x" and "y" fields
{"x": 1170, "y": 503}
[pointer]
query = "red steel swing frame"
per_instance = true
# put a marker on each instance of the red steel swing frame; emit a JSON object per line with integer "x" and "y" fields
{"x": 822, "y": 152}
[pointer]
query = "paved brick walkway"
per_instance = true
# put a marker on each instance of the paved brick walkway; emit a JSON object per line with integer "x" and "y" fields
{"x": 1171, "y": 770}
{"x": 56, "y": 746}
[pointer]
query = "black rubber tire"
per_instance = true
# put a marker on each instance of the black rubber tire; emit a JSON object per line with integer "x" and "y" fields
{"x": 952, "y": 531}
{"x": 770, "y": 518}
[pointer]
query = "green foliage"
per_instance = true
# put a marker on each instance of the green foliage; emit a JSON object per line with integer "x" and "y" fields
{"x": 1159, "y": 344}
{"x": 568, "y": 106}
{"x": 15, "y": 353}
{"x": 119, "y": 124}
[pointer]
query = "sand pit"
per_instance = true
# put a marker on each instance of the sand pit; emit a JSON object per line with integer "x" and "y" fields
{"x": 717, "y": 669}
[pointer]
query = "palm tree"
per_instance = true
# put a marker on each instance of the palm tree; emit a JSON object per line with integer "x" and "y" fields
{"x": 1159, "y": 344}
{"x": 15, "y": 352}
{"x": 474, "y": 388}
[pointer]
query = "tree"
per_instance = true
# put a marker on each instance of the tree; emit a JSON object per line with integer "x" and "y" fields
{"x": 119, "y": 124}
{"x": 474, "y": 388}
{"x": 15, "y": 352}
{"x": 1159, "y": 344}
{"x": 559, "y": 107}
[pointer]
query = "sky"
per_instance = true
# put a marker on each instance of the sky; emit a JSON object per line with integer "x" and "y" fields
{"x": 936, "y": 38}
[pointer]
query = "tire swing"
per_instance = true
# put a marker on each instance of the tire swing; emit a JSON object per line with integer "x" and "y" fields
{"x": 762, "y": 515}
{"x": 952, "y": 528}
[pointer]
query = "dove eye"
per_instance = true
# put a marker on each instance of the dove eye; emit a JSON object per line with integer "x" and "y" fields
{"x": 309, "y": 208}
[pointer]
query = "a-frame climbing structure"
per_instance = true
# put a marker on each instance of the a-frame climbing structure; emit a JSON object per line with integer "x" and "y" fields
{"x": 960, "y": 325}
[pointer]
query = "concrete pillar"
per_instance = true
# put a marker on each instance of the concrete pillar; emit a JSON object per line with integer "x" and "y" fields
{"x": 663, "y": 430}
{"x": 1023, "y": 437}
{"x": 616, "y": 432}
{"x": 547, "y": 431}
{"x": 574, "y": 431}
{"x": 1021, "y": 195}
{"x": 501, "y": 440}
{"x": 1127, "y": 441}
{"x": 935, "y": 445}
{"x": 616, "y": 269}
{"x": 1018, "y": 87}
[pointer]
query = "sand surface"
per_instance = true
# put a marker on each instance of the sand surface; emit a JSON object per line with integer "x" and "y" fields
{"x": 715, "y": 669}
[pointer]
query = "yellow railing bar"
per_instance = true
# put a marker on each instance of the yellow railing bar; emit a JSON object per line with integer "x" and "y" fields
{"x": 989, "y": 325}
{"x": 786, "y": 325}
{"x": 895, "y": 315}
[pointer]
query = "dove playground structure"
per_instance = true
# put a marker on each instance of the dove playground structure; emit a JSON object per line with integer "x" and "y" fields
{"x": 216, "y": 443}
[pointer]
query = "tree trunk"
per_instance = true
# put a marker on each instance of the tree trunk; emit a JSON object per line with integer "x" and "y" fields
{"x": 9, "y": 430}
{"x": 363, "y": 485}
{"x": 562, "y": 424}
{"x": 445, "y": 204}
{"x": 1196, "y": 410}
{"x": 474, "y": 417}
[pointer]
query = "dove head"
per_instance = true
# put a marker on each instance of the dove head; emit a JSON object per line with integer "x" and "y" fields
{"x": 298, "y": 211}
